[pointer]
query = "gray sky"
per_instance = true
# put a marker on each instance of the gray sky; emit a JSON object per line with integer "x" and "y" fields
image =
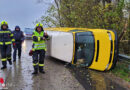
{"x": 22, "y": 12}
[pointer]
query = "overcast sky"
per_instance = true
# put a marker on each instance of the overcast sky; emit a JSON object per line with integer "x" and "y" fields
{"x": 22, "y": 12}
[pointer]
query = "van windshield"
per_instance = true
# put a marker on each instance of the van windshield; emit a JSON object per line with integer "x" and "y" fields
{"x": 84, "y": 48}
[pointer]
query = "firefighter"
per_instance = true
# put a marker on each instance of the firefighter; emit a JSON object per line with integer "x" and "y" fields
{"x": 6, "y": 39}
{"x": 39, "y": 48}
{"x": 19, "y": 39}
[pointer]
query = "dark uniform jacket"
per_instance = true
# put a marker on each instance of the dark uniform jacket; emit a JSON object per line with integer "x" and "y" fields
{"x": 6, "y": 37}
{"x": 19, "y": 36}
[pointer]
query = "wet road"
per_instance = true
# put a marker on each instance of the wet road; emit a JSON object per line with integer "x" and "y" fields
{"x": 57, "y": 77}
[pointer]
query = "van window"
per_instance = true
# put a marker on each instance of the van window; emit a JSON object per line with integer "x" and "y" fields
{"x": 85, "y": 48}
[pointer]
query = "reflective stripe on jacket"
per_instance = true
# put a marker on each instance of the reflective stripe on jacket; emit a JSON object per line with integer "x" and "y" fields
{"x": 38, "y": 42}
{"x": 6, "y": 37}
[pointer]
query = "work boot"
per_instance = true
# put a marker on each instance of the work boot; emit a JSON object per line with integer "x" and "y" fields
{"x": 43, "y": 72}
{"x": 35, "y": 70}
{"x": 10, "y": 62}
{"x": 4, "y": 67}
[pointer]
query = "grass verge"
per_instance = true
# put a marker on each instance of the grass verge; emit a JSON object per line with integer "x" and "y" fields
{"x": 122, "y": 70}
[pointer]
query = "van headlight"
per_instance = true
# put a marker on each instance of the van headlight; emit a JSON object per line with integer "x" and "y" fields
{"x": 110, "y": 37}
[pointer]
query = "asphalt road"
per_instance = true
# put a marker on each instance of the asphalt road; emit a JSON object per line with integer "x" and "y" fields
{"x": 57, "y": 76}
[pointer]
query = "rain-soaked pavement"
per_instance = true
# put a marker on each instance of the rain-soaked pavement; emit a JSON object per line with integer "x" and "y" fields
{"x": 57, "y": 77}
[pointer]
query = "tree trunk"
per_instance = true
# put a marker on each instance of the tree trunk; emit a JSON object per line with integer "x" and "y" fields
{"x": 123, "y": 31}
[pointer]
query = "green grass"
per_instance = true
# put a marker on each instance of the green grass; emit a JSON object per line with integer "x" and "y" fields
{"x": 121, "y": 70}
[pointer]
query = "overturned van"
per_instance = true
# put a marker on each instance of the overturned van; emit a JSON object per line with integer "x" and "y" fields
{"x": 93, "y": 48}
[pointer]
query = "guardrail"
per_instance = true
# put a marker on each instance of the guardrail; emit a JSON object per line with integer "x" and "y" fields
{"x": 123, "y": 57}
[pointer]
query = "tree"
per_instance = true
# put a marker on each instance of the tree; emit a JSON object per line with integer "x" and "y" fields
{"x": 85, "y": 13}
